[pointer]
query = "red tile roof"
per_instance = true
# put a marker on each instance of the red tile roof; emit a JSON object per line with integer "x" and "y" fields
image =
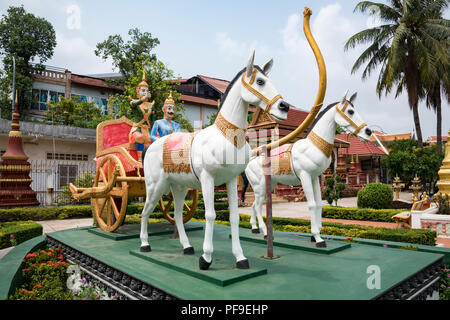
{"x": 90, "y": 81}
{"x": 219, "y": 84}
{"x": 294, "y": 117}
{"x": 434, "y": 139}
{"x": 199, "y": 100}
{"x": 359, "y": 147}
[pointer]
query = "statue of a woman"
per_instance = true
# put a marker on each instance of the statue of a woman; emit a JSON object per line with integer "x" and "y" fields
{"x": 165, "y": 126}
{"x": 142, "y": 111}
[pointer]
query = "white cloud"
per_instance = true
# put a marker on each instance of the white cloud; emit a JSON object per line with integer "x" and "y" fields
{"x": 75, "y": 54}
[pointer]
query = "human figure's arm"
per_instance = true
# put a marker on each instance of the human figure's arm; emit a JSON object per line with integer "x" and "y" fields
{"x": 154, "y": 132}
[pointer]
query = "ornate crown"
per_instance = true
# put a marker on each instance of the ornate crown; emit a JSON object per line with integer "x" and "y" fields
{"x": 169, "y": 99}
{"x": 143, "y": 83}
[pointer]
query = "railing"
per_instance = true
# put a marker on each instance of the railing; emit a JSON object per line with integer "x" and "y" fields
{"x": 50, "y": 176}
{"x": 50, "y": 72}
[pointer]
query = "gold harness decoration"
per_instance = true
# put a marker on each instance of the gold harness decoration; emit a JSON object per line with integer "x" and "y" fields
{"x": 347, "y": 118}
{"x": 231, "y": 132}
{"x": 321, "y": 144}
{"x": 281, "y": 162}
{"x": 248, "y": 85}
{"x": 178, "y": 160}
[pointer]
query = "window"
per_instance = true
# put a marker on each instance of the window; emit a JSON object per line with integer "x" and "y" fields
{"x": 67, "y": 174}
{"x": 41, "y": 97}
{"x": 67, "y": 156}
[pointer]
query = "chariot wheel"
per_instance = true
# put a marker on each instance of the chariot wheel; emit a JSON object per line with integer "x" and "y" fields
{"x": 110, "y": 208}
{"x": 190, "y": 210}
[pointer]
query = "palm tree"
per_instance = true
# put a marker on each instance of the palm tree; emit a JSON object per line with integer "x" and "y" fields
{"x": 406, "y": 46}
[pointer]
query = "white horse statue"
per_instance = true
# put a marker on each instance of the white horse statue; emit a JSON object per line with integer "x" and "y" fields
{"x": 309, "y": 158}
{"x": 218, "y": 154}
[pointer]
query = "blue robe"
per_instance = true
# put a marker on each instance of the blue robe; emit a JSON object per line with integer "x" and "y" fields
{"x": 162, "y": 127}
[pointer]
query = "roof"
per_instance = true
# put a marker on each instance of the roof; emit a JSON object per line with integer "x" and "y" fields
{"x": 218, "y": 84}
{"x": 391, "y": 137}
{"x": 295, "y": 117}
{"x": 359, "y": 147}
{"x": 199, "y": 100}
{"x": 434, "y": 139}
{"x": 90, "y": 81}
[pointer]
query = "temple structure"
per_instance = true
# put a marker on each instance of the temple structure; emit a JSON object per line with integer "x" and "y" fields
{"x": 15, "y": 178}
{"x": 444, "y": 173}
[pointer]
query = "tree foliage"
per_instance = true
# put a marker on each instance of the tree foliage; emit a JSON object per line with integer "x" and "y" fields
{"x": 407, "y": 46}
{"x": 29, "y": 39}
{"x": 68, "y": 112}
{"x": 131, "y": 58}
{"x": 334, "y": 190}
{"x": 406, "y": 160}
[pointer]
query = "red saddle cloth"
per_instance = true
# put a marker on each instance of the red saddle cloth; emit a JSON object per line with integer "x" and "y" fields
{"x": 177, "y": 152}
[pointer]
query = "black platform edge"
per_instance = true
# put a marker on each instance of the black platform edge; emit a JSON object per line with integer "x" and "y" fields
{"x": 418, "y": 286}
{"x": 112, "y": 280}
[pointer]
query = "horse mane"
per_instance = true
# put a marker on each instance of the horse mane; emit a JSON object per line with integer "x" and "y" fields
{"x": 320, "y": 115}
{"x": 236, "y": 78}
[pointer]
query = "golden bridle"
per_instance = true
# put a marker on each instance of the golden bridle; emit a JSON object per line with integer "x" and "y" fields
{"x": 320, "y": 94}
{"x": 248, "y": 85}
{"x": 347, "y": 118}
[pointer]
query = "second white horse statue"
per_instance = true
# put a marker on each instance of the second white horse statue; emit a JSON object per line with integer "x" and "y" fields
{"x": 309, "y": 158}
{"x": 216, "y": 156}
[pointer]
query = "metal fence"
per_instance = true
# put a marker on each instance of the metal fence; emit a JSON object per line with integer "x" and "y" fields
{"x": 51, "y": 176}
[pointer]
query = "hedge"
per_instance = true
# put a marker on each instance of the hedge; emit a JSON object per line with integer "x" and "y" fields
{"x": 367, "y": 214}
{"x": 21, "y": 230}
{"x": 417, "y": 236}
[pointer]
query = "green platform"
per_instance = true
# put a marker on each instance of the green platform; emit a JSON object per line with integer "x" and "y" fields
{"x": 340, "y": 273}
{"x": 133, "y": 230}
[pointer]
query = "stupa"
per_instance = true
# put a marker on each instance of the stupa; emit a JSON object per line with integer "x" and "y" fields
{"x": 15, "y": 170}
{"x": 444, "y": 173}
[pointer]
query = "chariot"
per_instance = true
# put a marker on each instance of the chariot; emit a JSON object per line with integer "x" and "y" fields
{"x": 118, "y": 178}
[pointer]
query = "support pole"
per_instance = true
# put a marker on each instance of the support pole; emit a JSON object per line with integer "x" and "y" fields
{"x": 269, "y": 223}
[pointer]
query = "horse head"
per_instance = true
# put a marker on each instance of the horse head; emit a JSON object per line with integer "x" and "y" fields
{"x": 259, "y": 91}
{"x": 348, "y": 119}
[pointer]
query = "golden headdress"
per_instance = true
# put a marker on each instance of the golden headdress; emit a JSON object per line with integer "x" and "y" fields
{"x": 169, "y": 99}
{"x": 143, "y": 83}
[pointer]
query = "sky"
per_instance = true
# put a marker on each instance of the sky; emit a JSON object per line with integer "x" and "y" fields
{"x": 216, "y": 38}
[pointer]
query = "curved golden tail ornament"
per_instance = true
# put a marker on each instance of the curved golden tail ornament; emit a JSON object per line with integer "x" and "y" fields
{"x": 320, "y": 94}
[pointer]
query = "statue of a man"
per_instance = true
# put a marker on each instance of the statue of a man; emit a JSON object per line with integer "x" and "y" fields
{"x": 165, "y": 126}
{"x": 142, "y": 111}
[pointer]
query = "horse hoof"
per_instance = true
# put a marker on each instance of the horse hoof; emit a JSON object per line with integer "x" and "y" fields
{"x": 188, "y": 250}
{"x": 321, "y": 244}
{"x": 242, "y": 264}
{"x": 255, "y": 230}
{"x": 146, "y": 249}
{"x": 203, "y": 264}
{"x": 313, "y": 239}
{"x": 265, "y": 237}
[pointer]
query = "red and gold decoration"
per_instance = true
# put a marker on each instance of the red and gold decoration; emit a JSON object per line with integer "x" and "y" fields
{"x": 15, "y": 170}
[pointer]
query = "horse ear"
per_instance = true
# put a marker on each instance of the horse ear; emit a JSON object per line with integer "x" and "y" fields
{"x": 250, "y": 65}
{"x": 344, "y": 98}
{"x": 353, "y": 97}
{"x": 267, "y": 67}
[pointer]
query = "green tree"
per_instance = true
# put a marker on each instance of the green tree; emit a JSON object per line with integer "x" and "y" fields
{"x": 334, "y": 190}
{"x": 406, "y": 159}
{"x": 406, "y": 46}
{"x": 131, "y": 58}
{"x": 29, "y": 39}
{"x": 125, "y": 55}
{"x": 68, "y": 112}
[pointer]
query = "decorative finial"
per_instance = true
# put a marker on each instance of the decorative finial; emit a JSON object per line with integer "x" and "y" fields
{"x": 16, "y": 100}
{"x": 143, "y": 74}
{"x": 307, "y": 12}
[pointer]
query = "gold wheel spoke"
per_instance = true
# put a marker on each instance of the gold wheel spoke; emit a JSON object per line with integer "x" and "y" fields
{"x": 102, "y": 173}
{"x": 108, "y": 214}
{"x": 187, "y": 207}
{"x": 114, "y": 207}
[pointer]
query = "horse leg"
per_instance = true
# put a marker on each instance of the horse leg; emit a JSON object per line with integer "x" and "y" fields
{"x": 257, "y": 182}
{"x": 307, "y": 185}
{"x": 318, "y": 210}
{"x": 207, "y": 182}
{"x": 241, "y": 261}
{"x": 152, "y": 199}
{"x": 179, "y": 194}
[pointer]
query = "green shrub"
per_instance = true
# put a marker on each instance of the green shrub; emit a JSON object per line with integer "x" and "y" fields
{"x": 44, "y": 275}
{"x": 376, "y": 196}
{"x": 334, "y": 190}
{"x": 367, "y": 214}
{"x": 45, "y": 213}
{"x": 443, "y": 203}
{"x": 16, "y": 232}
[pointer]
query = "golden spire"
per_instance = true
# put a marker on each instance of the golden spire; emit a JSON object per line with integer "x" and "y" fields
{"x": 169, "y": 99}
